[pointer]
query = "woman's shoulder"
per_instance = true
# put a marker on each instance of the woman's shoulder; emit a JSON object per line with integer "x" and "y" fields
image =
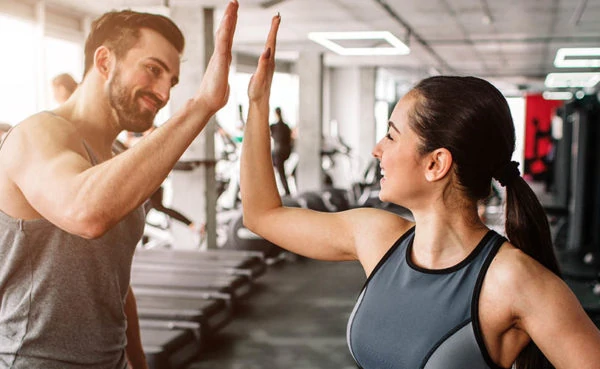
{"x": 378, "y": 223}
{"x": 377, "y": 231}
{"x": 514, "y": 274}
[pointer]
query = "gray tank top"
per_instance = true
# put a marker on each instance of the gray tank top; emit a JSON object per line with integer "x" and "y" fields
{"x": 408, "y": 317}
{"x": 62, "y": 296}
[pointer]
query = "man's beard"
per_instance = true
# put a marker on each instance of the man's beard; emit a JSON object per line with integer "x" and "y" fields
{"x": 131, "y": 116}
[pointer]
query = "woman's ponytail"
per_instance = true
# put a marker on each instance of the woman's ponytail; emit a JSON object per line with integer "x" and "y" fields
{"x": 527, "y": 229}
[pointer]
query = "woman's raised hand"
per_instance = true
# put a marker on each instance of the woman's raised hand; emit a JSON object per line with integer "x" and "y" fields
{"x": 214, "y": 89}
{"x": 259, "y": 88}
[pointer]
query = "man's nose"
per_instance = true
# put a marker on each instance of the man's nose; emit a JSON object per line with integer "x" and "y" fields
{"x": 162, "y": 90}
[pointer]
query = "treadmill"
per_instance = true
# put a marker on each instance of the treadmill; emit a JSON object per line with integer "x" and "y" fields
{"x": 202, "y": 316}
{"x": 235, "y": 262}
{"x": 168, "y": 349}
{"x": 180, "y": 283}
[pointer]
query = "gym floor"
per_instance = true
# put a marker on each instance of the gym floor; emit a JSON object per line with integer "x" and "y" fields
{"x": 295, "y": 319}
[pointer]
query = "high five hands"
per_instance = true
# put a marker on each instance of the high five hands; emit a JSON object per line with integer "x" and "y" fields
{"x": 214, "y": 89}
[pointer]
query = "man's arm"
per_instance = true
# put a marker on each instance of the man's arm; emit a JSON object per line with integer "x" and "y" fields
{"x": 56, "y": 179}
{"x": 134, "y": 350}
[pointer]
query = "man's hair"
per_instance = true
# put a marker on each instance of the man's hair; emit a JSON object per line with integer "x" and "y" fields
{"x": 66, "y": 80}
{"x": 120, "y": 31}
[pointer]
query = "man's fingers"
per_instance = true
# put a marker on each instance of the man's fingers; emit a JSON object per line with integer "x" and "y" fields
{"x": 224, "y": 35}
{"x": 233, "y": 7}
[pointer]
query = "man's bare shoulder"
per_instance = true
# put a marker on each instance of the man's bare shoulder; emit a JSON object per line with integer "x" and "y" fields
{"x": 29, "y": 157}
{"x": 38, "y": 133}
{"x": 45, "y": 126}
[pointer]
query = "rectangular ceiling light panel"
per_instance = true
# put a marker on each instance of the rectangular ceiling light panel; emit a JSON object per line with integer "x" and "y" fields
{"x": 557, "y": 95}
{"x": 577, "y": 57}
{"x": 588, "y": 79}
{"x": 328, "y": 39}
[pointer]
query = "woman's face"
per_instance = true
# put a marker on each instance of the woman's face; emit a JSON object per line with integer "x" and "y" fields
{"x": 402, "y": 166}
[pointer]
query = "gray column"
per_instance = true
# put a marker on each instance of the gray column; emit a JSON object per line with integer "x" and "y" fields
{"x": 366, "y": 113}
{"x": 352, "y": 115}
{"x": 308, "y": 144}
{"x": 194, "y": 192}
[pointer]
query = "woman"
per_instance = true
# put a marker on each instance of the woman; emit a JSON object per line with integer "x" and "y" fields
{"x": 444, "y": 291}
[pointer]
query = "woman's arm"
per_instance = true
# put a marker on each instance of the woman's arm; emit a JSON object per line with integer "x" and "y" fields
{"x": 326, "y": 236}
{"x": 548, "y": 311}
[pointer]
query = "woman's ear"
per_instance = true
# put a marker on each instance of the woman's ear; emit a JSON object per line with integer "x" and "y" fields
{"x": 439, "y": 162}
{"x": 102, "y": 61}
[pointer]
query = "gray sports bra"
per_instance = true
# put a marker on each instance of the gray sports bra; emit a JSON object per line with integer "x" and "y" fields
{"x": 408, "y": 317}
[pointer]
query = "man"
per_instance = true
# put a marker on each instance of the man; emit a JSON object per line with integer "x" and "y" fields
{"x": 282, "y": 147}
{"x": 63, "y": 87}
{"x": 71, "y": 212}
{"x": 4, "y": 128}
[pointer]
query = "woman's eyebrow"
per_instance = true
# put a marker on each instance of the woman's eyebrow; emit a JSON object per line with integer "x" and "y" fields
{"x": 392, "y": 125}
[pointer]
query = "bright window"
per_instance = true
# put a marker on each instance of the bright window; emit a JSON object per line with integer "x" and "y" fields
{"x": 18, "y": 90}
{"x": 284, "y": 94}
{"x": 61, "y": 57}
{"x": 26, "y": 71}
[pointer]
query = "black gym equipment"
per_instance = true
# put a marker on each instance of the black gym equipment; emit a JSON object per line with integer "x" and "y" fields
{"x": 311, "y": 200}
{"x": 246, "y": 263}
{"x": 206, "y": 315}
{"x": 575, "y": 214}
{"x": 168, "y": 349}
{"x": 587, "y": 296}
{"x": 241, "y": 238}
{"x": 577, "y": 187}
{"x": 190, "y": 290}
{"x": 184, "y": 284}
{"x": 336, "y": 199}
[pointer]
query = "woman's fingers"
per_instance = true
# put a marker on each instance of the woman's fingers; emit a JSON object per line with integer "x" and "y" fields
{"x": 261, "y": 80}
{"x": 272, "y": 38}
{"x": 267, "y": 60}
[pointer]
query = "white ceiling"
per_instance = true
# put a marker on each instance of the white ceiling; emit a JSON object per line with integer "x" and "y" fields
{"x": 509, "y": 41}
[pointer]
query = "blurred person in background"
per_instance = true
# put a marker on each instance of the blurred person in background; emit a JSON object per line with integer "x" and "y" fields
{"x": 63, "y": 86}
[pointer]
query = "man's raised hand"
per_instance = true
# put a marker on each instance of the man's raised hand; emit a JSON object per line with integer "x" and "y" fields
{"x": 214, "y": 89}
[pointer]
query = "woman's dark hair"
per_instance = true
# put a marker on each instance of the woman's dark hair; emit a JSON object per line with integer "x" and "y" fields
{"x": 471, "y": 118}
{"x": 120, "y": 31}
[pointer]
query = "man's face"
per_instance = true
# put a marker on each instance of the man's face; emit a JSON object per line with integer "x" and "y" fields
{"x": 141, "y": 81}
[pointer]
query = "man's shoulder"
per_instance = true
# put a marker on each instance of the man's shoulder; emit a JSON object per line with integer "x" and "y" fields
{"x": 47, "y": 121}
{"x": 37, "y": 133}
{"x": 44, "y": 126}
